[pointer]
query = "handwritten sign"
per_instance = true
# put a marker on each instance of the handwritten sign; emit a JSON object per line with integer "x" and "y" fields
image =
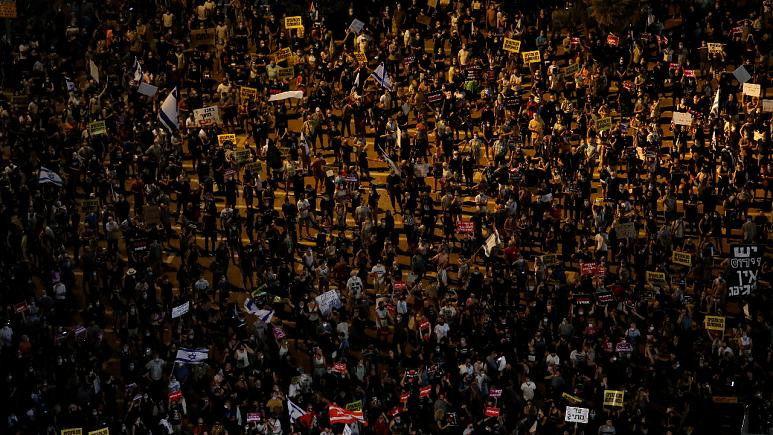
{"x": 744, "y": 269}
{"x": 511, "y": 45}
{"x": 254, "y": 167}
{"x": 206, "y": 116}
{"x": 465, "y": 226}
{"x": 356, "y": 26}
{"x": 682, "y": 258}
{"x": 576, "y": 415}
{"x": 752, "y": 89}
{"x": 613, "y": 398}
{"x": 327, "y": 301}
{"x": 682, "y": 118}
{"x": 530, "y": 57}
{"x": 97, "y": 128}
{"x": 604, "y": 124}
{"x": 223, "y": 138}
{"x": 293, "y": 22}
{"x": 714, "y": 323}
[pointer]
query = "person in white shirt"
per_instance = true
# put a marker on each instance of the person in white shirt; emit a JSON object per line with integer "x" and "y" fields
{"x": 441, "y": 329}
{"x": 304, "y": 215}
{"x": 379, "y": 272}
{"x": 528, "y": 387}
{"x": 552, "y": 359}
{"x": 354, "y": 285}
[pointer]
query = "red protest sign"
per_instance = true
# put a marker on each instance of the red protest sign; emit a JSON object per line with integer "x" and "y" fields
{"x": 575, "y": 40}
{"x": 593, "y": 269}
{"x": 405, "y": 396}
{"x": 689, "y": 73}
{"x": 339, "y": 368}
{"x": 613, "y": 40}
{"x": 495, "y": 393}
{"x": 465, "y": 226}
{"x": 20, "y": 307}
{"x": 175, "y": 396}
{"x": 492, "y": 412}
{"x": 425, "y": 391}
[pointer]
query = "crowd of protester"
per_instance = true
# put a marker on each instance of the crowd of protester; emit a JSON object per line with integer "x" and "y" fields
{"x": 495, "y": 250}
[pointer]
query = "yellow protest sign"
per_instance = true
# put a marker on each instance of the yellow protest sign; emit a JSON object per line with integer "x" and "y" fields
{"x": 354, "y": 406}
{"x": 361, "y": 58}
{"x": 604, "y": 124}
{"x": 655, "y": 277}
{"x": 72, "y": 431}
{"x": 242, "y": 155}
{"x": 512, "y": 45}
{"x": 203, "y": 37}
{"x": 223, "y": 138}
{"x": 285, "y": 73}
{"x": 531, "y": 56}
{"x": 573, "y": 68}
{"x": 246, "y": 93}
{"x": 97, "y": 127}
{"x": 103, "y": 431}
{"x": 293, "y": 22}
{"x": 724, "y": 399}
{"x": 683, "y": 258}
{"x": 714, "y": 323}
{"x": 283, "y": 54}
{"x": 571, "y": 399}
{"x": 613, "y": 398}
{"x": 8, "y": 9}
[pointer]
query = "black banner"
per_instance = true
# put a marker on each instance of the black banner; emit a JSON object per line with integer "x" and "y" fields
{"x": 743, "y": 269}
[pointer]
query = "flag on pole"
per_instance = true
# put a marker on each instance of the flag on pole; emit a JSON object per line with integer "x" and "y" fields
{"x": 192, "y": 356}
{"x": 381, "y": 76}
{"x": 389, "y": 161}
{"x": 47, "y": 176}
{"x": 265, "y": 316}
{"x": 491, "y": 242}
{"x": 356, "y": 81}
{"x": 136, "y": 73}
{"x": 336, "y": 415}
{"x": 715, "y": 104}
{"x": 70, "y": 84}
{"x": 399, "y": 137}
{"x": 169, "y": 112}
{"x": 294, "y": 411}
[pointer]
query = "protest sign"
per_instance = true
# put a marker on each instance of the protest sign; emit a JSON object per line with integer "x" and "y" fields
{"x": 592, "y": 269}
{"x": 582, "y": 300}
{"x": 151, "y": 214}
{"x": 767, "y": 105}
{"x": 531, "y": 57}
{"x": 571, "y": 399}
{"x": 72, "y": 431}
{"x": 423, "y": 20}
{"x": 604, "y": 124}
{"x": 93, "y": 71}
{"x": 356, "y": 26}
{"x": 550, "y": 259}
{"x": 223, "y": 138}
{"x": 89, "y": 205}
{"x": 605, "y": 297}
{"x": 206, "y": 116}
{"x": 97, "y": 127}
{"x": 327, "y": 301}
{"x": 491, "y": 412}
{"x": 103, "y": 431}
{"x": 682, "y": 258}
{"x": 741, "y": 74}
{"x": 241, "y": 156}
{"x": 613, "y": 40}
{"x": 743, "y": 269}
{"x": 361, "y": 58}
{"x": 714, "y": 323}
{"x": 465, "y": 226}
{"x": 293, "y": 22}
{"x": 283, "y": 54}
{"x": 181, "y": 309}
{"x": 576, "y": 415}
{"x": 254, "y": 167}
{"x": 8, "y": 9}
{"x": 285, "y": 73}
{"x": 246, "y": 93}
{"x": 624, "y": 347}
{"x": 495, "y": 393}
{"x": 613, "y": 398}
{"x": 147, "y": 89}
{"x": 573, "y": 68}
{"x": 253, "y": 416}
{"x": 511, "y": 45}
{"x": 203, "y": 37}
{"x": 752, "y": 89}
{"x": 653, "y": 277}
{"x": 682, "y": 118}
{"x": 715, "y": 48}
{"x": 626, "y": 230}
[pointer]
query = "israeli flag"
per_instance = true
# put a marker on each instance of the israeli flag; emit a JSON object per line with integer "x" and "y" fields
{"x": 491, "y": 242}
{"x": 715, "y": 105}
{"x": 169, "y": 112}
{"x": 47, "y": 176}
{"x": 381, "y": 76}
{"x": 136, "y": 73}
{"x": 192, "y": 356}
{"x": 70, "y": 84}
{"x": 294, "y": 410}
{"x": 265, "y": 316}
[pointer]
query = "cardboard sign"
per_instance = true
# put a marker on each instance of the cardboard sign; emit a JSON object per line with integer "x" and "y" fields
{"x": 767, "y": 105}
{"x": 683, "y": 258}
{"x": 744, "y": 269}
{"x": 465, "y": 227}
{"x": 241, "y": 156}
{"x": 246, "y": 93}
{"x": 203, "y": 37}
{"x": 206, "y": 116}
{"x": 714, "y": 323}
{"x": 626, "y": 230}
{"x": 253, "y": 416}
{"x": 724, "y": 399}
{"x": 103, "y": 431}
{"x": 576, "y": 415}
{"x": 8, "y": 9}
{"x": 613, "y": 40}
{"x": 97, "y": 127}
{"x": 715, "y": 48}
{"x": 223, "y": 138}
{"x": 604, "y": 124}
{"x": 293, "y": 22}
{"x": 283, "y": 54}
{"x": 655, "y": 277}
{"x": 741, "y": 74}
{"x": 511, "y": 45}
{"x": 181, "y": 309}
{"x": 530, "y": 57}
{"x": 72, "y": 431}
{"x": 752, "y": 89}
{"x": 682, "y": 118}
{"x": 613, "y": 398}
{"x": 90, "y": 205}
{"x": 492, "y": 412}
{"x": 361, "y": 58}
{"x": 285, "y": 73}
{"x": 327, "y": 301}
{"x": 432, "y": 3}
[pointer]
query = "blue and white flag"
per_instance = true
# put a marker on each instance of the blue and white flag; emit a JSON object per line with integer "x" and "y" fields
{"x": 381, "y": 76}
{"x": 715, "y": 105}
{"x": 169, "y": 112}
{"x": 192, "y": 356}
{"x": 47, "y": 176}
{"x": 70, "y": 84}
{"x": 136, "y": 73}
{"x": 265, "y": 316}
{"x": 295, "y": 411}
{"x": 491, "y": 242}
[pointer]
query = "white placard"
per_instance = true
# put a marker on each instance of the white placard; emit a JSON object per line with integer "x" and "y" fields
{"x": 752, "y": 89}
{"x": 147, "y": 89}
{"x": 285, "y": 95}
{"x": 682, "y": 118}
{"x": 327, "y": 301}
{"x": 206, "y": 116}
{"x": 94, "y": 71}
{"x": 181, "y": 309}
{"x": 356, "y": 26}
{"x": 741, "y": 74}
{"x": 767, "y": 105}
{"x": 576, "y": 415}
